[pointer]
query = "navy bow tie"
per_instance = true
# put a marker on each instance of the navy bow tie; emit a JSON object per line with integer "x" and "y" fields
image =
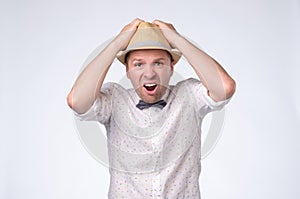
{"x": 142, "y": 105}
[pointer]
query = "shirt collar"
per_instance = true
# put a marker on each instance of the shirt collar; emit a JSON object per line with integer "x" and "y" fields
{"x": 136, "y": 98}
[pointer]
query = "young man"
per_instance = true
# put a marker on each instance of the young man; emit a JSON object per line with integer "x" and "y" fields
{"x": 154, "y": 129}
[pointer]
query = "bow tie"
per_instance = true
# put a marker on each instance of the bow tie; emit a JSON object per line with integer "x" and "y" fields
{"x": 142, "y": 105}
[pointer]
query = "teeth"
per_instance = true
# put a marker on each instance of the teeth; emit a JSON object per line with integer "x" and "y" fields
{"x": 150, "y": 85}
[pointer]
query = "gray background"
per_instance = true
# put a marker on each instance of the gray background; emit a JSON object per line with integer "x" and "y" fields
{"x": 43, "y": 45}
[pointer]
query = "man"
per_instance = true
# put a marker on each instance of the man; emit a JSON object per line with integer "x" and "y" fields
{"x": 154, "y": 129}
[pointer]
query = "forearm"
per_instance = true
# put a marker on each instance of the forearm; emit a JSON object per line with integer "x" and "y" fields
{"x": 217, "y": 81}
{"x": 87, "y": 86}
{"x": 219, "y": 84}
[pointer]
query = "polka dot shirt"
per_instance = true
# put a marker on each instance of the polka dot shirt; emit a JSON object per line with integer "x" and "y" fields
{"x": 154, "y": 152}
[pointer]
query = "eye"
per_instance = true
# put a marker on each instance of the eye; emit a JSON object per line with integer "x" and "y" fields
{"x": 158, "y": 63}
{"x": 138, "y": 65}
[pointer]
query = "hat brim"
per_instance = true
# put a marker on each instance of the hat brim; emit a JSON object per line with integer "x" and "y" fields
{"x": 176, "y": 55}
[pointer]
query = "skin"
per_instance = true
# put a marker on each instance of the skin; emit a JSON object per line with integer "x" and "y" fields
{"x": 86, "y": 88}
{"x": 218, "y": 82}
{"x": 149, "y": 66}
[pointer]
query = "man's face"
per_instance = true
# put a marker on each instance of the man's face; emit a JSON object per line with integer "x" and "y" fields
{"x": 149, "y": 72}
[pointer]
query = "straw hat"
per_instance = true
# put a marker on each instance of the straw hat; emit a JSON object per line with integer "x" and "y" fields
{"x": 148, "y": 36}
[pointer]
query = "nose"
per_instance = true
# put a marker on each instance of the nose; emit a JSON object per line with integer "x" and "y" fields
{"x": 149, "y": 72}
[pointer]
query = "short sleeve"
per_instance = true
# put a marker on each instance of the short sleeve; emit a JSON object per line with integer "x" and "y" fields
{"x": 102, "y": 107}
{"x": 203, "y": 102}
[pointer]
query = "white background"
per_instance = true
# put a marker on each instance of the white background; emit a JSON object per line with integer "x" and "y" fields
{"x": 43, "y": 45}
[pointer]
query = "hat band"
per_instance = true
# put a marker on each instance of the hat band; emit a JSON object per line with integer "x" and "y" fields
{"x": 146, "y": 44}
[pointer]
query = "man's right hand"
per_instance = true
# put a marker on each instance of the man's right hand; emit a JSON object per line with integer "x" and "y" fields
{"x": 123, "y": 38}
{"x": 87, "y": 86}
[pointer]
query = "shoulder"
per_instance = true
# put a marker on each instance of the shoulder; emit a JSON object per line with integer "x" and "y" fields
{"x": 116, "y": 91}
{"x": 185, "y": 90}
{"x": 188, "y": 84}
{"x": 111, "y": 87}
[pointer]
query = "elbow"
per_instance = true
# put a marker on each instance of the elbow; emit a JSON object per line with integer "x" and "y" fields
{"x": 73, "y": 102}
{"x": 76, "y": 103}
{"x": 70, "y": 99}
{"x": 229, "y": 88}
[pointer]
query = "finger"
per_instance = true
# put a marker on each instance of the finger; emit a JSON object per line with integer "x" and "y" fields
{"x": 163, "y": 25}
{"x": 132, "y": 25}
{"x": 135, "y": 23}
{"x": 157, "y": 22}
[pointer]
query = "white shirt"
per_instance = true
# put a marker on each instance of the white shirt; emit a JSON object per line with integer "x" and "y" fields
{"x": 153, "y": 153}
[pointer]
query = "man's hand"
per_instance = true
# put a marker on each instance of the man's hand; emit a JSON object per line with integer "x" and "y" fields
{"x": 123, "y": 38}
{"x": 87, "y": 86}
{"x": 219, "y": 84}
{"x": 168, "y": 30}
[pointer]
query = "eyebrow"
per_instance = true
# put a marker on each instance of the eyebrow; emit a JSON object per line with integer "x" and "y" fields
{"x": 156, "y": 59}
{"x": 160, "y": 59}
{"x": 135, "y": 59}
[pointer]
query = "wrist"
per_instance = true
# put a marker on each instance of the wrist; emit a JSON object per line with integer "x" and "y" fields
{"x": 122, "y": 40}
{"x": 175, "y": 39}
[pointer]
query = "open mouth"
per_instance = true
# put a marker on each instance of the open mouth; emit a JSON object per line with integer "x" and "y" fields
{"x": 150, "y": 87}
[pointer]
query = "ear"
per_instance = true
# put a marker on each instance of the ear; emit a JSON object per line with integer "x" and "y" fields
{"x": 127, "y": 69}
{"x": 172, "y": 67}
